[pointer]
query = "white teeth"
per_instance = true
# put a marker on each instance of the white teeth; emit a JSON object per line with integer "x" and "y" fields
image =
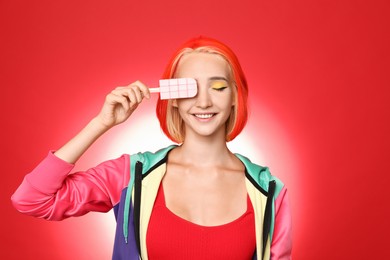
{"x": 204, "y": 116}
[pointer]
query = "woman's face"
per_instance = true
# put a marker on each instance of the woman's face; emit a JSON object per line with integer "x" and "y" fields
{"x": 206, "y": 113}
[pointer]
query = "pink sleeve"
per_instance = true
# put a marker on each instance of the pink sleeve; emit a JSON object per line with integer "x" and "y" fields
{"x": 52, "y": 193}
{"x": 282, "y": 238}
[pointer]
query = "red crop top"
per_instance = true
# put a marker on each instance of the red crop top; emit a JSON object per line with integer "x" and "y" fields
{"x": 172, "y": 237}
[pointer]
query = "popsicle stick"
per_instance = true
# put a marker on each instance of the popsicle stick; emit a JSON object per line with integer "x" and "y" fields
{"x": 154, "y": 90}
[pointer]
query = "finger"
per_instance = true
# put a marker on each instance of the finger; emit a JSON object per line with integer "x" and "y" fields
{"x": 137, "y": 93}
{"x": 128, "y": 93}
{"x": 143, "y": 89}
{"x": 115, "y": 99}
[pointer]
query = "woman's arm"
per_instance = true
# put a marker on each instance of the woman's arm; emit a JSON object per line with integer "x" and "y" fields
{"x": 282, "y": 237}
{"x": 50, "y": 191}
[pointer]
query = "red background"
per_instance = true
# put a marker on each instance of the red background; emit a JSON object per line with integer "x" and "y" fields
{"x": 319, "y": 77}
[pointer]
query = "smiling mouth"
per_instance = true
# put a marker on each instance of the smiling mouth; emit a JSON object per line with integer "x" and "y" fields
{"x": 204, "y": 116}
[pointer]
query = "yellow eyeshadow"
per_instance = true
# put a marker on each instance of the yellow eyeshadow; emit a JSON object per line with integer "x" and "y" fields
{"x": 218, "y": 85}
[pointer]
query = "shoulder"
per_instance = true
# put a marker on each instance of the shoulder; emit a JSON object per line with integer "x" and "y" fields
{"x": 149, "y": 159}
{"x": 260, "y": 174}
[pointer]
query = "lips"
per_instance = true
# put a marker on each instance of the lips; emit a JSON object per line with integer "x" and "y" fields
{"x": 204, "y": 116}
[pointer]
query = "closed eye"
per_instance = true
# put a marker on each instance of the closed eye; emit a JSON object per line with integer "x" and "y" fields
{"x": 219, "y": 85}
{"x": 220, "y": 89}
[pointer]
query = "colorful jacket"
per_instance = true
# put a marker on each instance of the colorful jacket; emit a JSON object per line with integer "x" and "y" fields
{"x": 133, "y": 205}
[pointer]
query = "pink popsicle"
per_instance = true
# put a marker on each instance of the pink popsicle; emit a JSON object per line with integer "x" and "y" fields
{"x": 176, "y": 88}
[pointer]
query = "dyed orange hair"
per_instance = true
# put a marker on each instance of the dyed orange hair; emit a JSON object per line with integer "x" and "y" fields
{"x": 170, "y": 120}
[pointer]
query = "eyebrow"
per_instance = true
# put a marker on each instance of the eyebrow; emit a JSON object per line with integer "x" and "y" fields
{"x": 218, "y": 78}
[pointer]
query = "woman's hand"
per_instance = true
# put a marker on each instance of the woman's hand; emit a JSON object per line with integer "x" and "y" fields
{"x": 121, "y": 103}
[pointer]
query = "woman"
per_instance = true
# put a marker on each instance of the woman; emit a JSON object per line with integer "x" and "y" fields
{"x": 193, "y": 201}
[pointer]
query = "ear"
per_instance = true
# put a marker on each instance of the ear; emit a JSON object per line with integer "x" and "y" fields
{"x": 174, "y": 102}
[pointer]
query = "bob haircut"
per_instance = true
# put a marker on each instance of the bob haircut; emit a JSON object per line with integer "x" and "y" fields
{"x": 170, "y": 121}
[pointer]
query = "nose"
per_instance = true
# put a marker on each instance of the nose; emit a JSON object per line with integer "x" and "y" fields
{"x": 203, "y": 99}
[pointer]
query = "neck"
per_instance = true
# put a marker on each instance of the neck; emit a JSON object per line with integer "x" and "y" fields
{"x": 205, "y": 151}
